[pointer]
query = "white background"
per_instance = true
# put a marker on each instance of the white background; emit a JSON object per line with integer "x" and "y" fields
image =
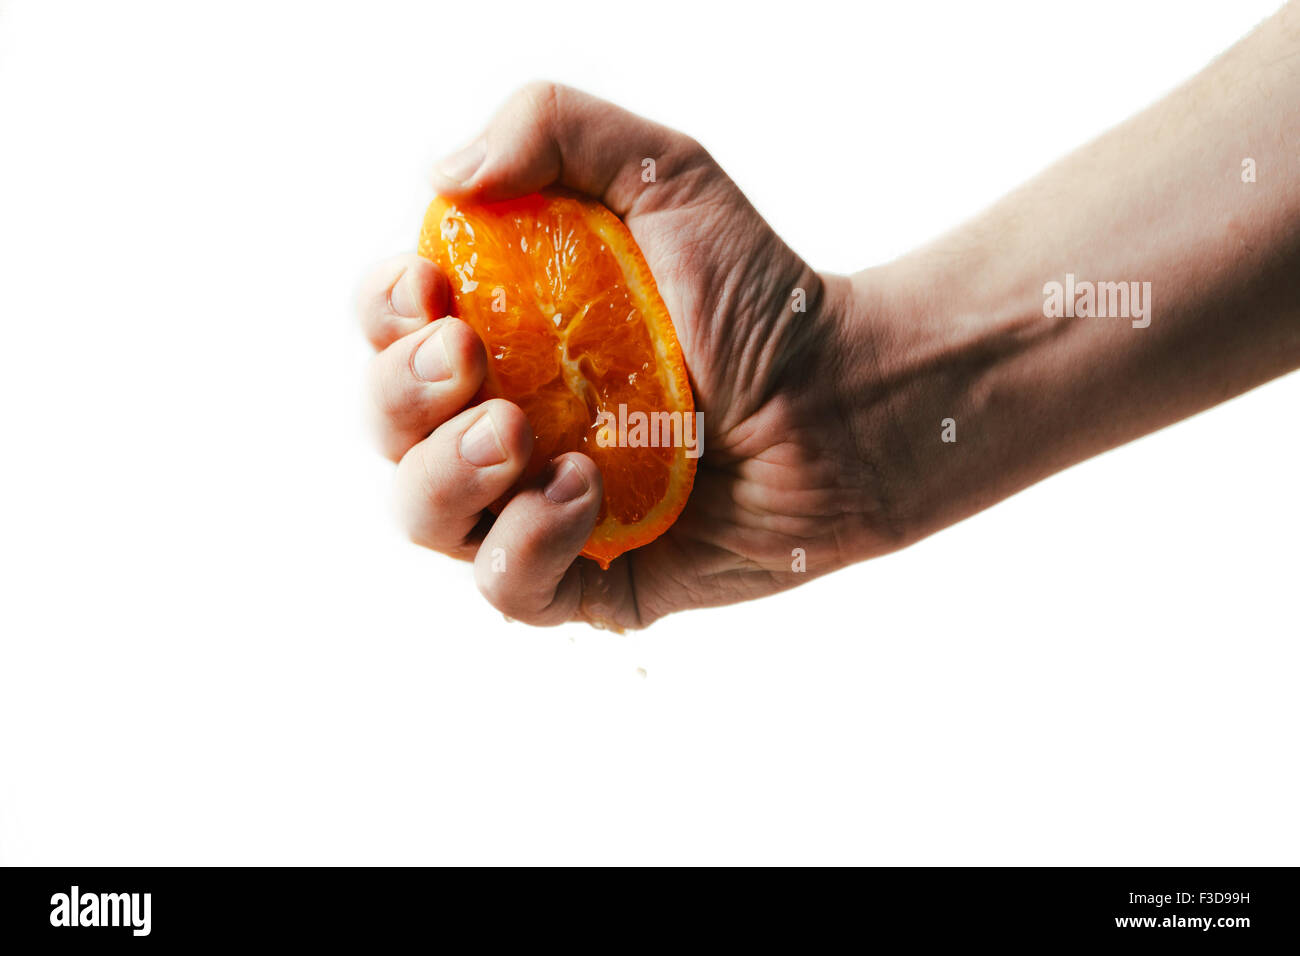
{"x": 217, "y": 647}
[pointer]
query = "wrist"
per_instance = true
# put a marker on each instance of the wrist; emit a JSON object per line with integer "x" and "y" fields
{"x": 949, "y": 390}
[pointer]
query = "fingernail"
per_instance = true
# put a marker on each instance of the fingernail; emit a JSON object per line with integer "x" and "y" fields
{"x": 460, "y": 167}
{"x": 431, "y": 362}
{"x": 403, "y": 297}
{"x": 481, "y": 445}
{"x": 567, "y": 484}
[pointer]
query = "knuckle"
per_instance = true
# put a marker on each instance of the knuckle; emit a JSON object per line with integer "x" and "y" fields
{"x": 690, "y": 146}
{"x": 541, "y": 98}
{"x": 498, "y": 592}
{"x": 539, "y": 91}
{"x": 389, "y": 391}
{"x": 422, "y": 511}
{"x": 693, "y": 157}
{"x": 417, "y": 536}
{"x": 437, "y": 492}
{"x": 371, "y": 295}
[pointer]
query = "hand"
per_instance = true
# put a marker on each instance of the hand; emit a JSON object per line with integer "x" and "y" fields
{"x": 782, "y": 474}
{"x": 824, "y": 429}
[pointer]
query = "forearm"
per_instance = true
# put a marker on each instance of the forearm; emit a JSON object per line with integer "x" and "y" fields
{"x": 969, "y": 328}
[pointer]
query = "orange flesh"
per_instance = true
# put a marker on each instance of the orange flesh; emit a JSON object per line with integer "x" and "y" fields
{"x": 574, "y": 326}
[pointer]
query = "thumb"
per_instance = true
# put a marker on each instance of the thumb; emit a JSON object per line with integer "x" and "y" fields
{"x": 548, "y": 134}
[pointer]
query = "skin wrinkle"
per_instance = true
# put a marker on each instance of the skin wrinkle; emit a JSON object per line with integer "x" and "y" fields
{"x": 738, "y": 295}
{"x": 768, "y": 520}
{"x": 708, "y": 557}
{"x": 691, "y": 188}
{"x": 778, "y": 345}
{"x": 806, "y": 459}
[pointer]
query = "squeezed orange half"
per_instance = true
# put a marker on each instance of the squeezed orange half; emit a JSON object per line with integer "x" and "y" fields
{"x": 578, "y": 336}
